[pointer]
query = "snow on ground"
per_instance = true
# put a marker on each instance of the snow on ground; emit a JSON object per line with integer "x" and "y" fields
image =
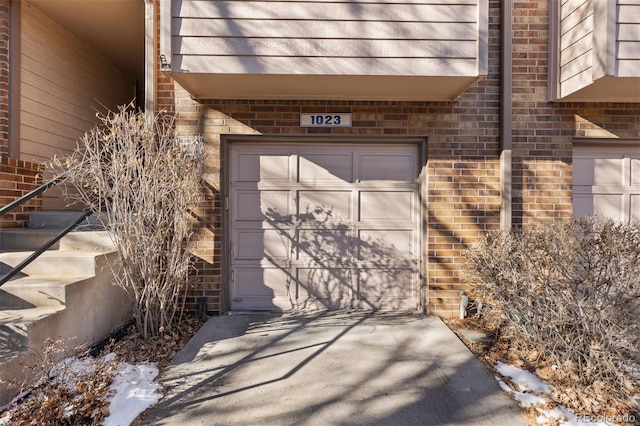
{"x": 134, "y": 387}
{"x": 532, "y": 391}
{"x": 135, "y": 391}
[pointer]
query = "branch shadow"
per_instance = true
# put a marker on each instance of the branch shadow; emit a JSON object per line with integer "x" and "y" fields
{"x": 341, "y": 367}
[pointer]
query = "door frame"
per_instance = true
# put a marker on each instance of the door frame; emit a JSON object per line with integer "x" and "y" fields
{"x": 225, "y": 181}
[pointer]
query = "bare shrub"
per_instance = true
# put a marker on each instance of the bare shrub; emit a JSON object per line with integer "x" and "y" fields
{"x": 571, "y": 292}
{"x": 134, "y": 171}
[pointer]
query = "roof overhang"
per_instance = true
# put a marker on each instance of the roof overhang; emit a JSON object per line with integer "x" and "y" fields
{"x": 323, "y": 87}
{"x": 607, "y": 89}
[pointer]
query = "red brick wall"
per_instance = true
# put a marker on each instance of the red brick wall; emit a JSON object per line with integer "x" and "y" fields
{"x": 463, "y": 201}
{"x": 4, "y": 77}
{"x": 16, "y": 179}
{"x": 542, "y": 131}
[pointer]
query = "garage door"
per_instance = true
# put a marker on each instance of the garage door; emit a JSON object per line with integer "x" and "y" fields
{"x": 606, "y": 181}
{"x": 323, "y": 226}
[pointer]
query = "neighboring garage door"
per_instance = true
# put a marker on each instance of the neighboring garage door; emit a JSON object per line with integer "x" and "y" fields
{"x": 606, "y": 181}
{"x": 323, "y": 226}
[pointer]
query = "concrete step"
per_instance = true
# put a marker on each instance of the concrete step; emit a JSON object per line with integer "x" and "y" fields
{"x": 37, "y": 291}
{"x": 60, "y": 219}
{"x": 79, "y": 310}
{"x": 99, "y": 241}
{"x": 24, "y": 239}
{"x": 14, "y": 329}
{"x": 66, "y": 294}
{"x": 56, "y": 262}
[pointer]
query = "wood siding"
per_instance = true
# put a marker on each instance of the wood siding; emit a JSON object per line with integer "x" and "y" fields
{"x": 386, "y": 38}
{"x": 576, "y": 45}
{"x": 587, "y": 55}
{"x": 63, "y": 84}
{"x": 628, "y": 40}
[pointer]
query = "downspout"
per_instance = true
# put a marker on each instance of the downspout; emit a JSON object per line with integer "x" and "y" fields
{"x": 149, "y": 57}
{"x": 506, "y": 58}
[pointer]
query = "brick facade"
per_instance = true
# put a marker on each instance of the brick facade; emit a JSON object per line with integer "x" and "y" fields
{"x": 463, "y": 151}
{"x": 16, "y": 179}
{"x": 4, "y": 77}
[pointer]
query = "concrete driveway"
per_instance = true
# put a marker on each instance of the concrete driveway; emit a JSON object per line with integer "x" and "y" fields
{"x": 330, "y": 368}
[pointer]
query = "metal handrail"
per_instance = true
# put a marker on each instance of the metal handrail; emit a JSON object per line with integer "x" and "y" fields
{"x": 46, "y": 246}
{"x": 33, "y": 256}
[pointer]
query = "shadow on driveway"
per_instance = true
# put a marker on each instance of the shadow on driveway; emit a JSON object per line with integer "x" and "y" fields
{"x": 329, "y": 368}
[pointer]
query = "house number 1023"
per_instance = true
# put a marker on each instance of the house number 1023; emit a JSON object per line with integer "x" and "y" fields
{"x": 325, "y": 120}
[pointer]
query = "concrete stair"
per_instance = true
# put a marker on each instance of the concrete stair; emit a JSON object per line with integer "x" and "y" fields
{"x": 66, "y": 293}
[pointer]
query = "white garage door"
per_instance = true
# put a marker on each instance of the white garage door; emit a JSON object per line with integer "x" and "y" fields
{"x": 323, "y": 226}
{"x": 606, "y": 182}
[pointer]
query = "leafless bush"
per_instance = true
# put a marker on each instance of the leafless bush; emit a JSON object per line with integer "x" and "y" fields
{"x": 571, "y": 292}
{"x": 143, "y": 179}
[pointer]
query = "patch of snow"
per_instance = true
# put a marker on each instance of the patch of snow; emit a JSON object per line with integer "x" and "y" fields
{"x": 525, "y": 380}
{"x": 524, "y": 399}
{"x": 536, "y": 393}
{"x": 135, "y": 391}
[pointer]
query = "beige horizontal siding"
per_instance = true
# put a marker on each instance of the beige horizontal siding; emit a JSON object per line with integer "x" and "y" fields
{"x": 63, "y": 84}
{"x": 628, "y": 41}
{"x": 311, "y": 48}
{"x": 256, "y": 28}
{"x": 629, "y": 13}
{"x": 326, "y": 11}
{"x": 321, "y": 37}
{"x": 576, "y": 43}
{"x": 332, "y": 66}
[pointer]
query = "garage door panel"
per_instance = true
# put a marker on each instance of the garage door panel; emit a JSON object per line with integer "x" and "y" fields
{"x": 323, "y": 243}
{"x": 598, "y": 171}
{"x": 262, "y": 167}
{"x": 256, "y": 244}
{"x": 386, "y": 288}
{"x": 386, "y": 205}
{"x": 260, "y": 282}
{"x": 329, "y": 288}
{"x": 252, "y": 204}
{"x": 634, "y": 213}
{"x": 387, "y": 167}
{"x": 635, "y": 172}
{"x": 385, "y": 244}
{"x": 606, "y": 180}
{"x": 325, "y": 168}
{"x": 608, "y": 205}
{"x": 323, "y": 206}
{"x": 608, "y": 171}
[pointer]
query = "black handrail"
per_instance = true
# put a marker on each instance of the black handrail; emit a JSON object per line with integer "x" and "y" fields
{"x": 39, "y": 190}
{"x": 46, "y": 246}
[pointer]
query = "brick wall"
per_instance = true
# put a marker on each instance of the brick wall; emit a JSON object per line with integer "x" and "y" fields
{"x": 542, "y": 131}
{"x": 16, "y": 179}
{"x": 463, "y": 191}
{"x": 4, "y": 77}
